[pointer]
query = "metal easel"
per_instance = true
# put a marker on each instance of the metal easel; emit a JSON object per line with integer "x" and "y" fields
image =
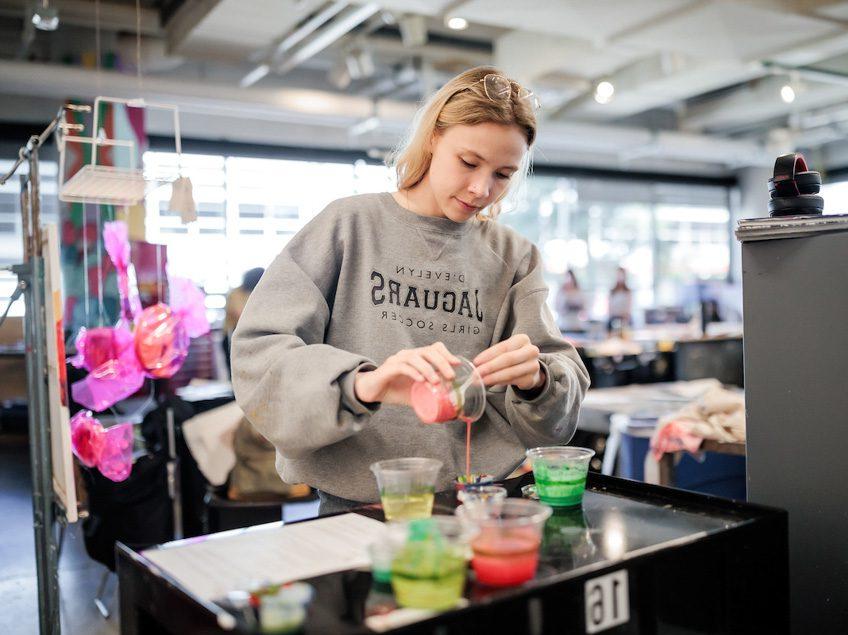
{"x": 48, "y": 515}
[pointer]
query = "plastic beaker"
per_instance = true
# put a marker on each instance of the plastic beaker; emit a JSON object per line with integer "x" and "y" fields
{"x": 560, "y": 474}
{"x": 406, "y": 486}
{"x": 463, "y": 397}
{"x": 506, "y": 549}
{"x": 473, "y": 495}
{"x": 428, "y": 571}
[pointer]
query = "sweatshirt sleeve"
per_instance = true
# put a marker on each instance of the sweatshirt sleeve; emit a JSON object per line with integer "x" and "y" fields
{"x": 549, "y": 416}
{"x": 295, "y": 389}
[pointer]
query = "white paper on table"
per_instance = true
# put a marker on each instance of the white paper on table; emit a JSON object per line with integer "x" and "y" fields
{"x": 209, "y": 567}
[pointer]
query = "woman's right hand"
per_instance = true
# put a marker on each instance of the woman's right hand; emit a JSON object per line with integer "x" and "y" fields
{"x": 391, "y": 381}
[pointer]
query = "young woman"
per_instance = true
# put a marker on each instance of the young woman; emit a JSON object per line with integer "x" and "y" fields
{"x": 571, "y": 304}
{"x": 382, "y": 290}
{"x": 620, "y": 301}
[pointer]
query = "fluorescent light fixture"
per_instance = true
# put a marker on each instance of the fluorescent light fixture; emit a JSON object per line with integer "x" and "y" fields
{"x": 787, "y": 93}
{"x": 45, "y": 17}
{"x": 255, "y": 75}
{"x": 456, "y": 23}
{"x": 604, "y": 92}
{"x": 366, "y": 125}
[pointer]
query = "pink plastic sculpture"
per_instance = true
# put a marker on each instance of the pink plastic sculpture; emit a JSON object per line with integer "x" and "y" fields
{"x": 161, "y": 341}
{"x": 116, "y": 241}
{"x": 114, "y": 370}
{"x": 110, "y": 451}
{"x": 152, "y": 342}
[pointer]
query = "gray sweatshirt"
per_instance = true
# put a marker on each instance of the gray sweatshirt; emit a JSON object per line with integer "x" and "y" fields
{"x": 361, "y": 281}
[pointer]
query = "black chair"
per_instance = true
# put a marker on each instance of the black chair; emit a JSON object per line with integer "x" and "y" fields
{"x": 222, "y": 513}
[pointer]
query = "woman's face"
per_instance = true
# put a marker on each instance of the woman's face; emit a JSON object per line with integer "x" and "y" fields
{"x": 472, "y": 165}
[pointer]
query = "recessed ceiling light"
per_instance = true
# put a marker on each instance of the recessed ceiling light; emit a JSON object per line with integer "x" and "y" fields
{"x": 457, "y": 23}
{"x": 45, "y": 17}
{"x": 604, "y": 91}
{"x": 787, "y": 94}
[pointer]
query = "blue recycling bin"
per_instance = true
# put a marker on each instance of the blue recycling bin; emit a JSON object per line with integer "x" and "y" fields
{"x": 718, "y": 474}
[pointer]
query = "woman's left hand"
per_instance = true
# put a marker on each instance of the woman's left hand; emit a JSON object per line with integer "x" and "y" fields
{"x": 514, "y": 361}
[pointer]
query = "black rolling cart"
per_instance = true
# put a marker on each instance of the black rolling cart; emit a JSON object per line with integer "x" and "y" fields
{"x": 636, "y": 559}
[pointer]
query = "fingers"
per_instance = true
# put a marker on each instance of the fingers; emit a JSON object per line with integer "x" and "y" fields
{"x": 416, "y": 370}
{"x": 439, "y": 361}
{"x": 453, "y": 359}
{"x": 528, "y": 352}
{"x": 513, "y": 343}
{"x": 423, "y": 366}
{"x": 520, "y": 374}
{"x": 432, "y": 363}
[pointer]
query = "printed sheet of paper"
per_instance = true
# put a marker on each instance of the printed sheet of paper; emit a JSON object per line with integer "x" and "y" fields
{"x": 209, "y": 567}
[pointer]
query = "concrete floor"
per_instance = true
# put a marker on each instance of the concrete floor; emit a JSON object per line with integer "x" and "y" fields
{"x": 79, "y": 576}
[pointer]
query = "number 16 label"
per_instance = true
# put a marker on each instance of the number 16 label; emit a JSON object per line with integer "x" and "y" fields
{"x": 607, "y": 601}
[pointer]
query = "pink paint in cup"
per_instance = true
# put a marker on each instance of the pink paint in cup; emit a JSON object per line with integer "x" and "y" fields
{"x": 463, "y": 397}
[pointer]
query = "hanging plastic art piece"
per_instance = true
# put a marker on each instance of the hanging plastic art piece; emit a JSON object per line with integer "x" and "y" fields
{"x": 117, "y": 358}
{"x": 116, "y": 241}
{"x": 189, "y": 303}
{"x": 108, "y": 353}
{"x": 161, "y": 341}
{"x": 109, "y": 450}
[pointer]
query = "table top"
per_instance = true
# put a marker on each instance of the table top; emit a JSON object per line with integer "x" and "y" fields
{"x": 619, "y": 520}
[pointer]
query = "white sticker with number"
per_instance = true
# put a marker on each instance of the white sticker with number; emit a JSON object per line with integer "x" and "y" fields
{"x": 607, "y": 601}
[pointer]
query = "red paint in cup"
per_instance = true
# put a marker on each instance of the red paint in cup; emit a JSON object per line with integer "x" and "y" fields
{"x": 506, "y": 560}
{"x": 433, "y": 403}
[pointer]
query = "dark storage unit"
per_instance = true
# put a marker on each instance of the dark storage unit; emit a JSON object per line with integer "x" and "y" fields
{"x": 795, "y": 292}
{"x": 689, "y": 564}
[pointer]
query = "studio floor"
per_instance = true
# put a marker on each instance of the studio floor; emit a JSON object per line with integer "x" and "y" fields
{"x": 79, "y": 576}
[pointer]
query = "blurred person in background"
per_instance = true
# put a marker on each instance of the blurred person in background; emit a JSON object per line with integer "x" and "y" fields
{"x": 620, "y": 302}
{"x": 236, "y": 300}
{"x": 571, "y": 304}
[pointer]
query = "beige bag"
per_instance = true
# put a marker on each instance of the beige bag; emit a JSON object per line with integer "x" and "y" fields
{"x": 254, "y": 476}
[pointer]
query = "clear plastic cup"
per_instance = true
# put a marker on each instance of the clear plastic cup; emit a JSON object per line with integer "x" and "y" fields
{"x": 463, "y": 398}
{"x": 407, "y": 486}
{"x": 474, "y": 495}
{"x": 384, "y": 548}
{"x": 560, "y": 474}
{"x": 428, "y": 569}
{"x": 506, "y": 548}
{"x": 284, "y": 611}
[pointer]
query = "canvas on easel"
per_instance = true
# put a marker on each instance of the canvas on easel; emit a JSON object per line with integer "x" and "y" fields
{"x": 57, "y": 380}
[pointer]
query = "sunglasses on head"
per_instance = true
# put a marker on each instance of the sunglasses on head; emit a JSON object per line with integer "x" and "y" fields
{"x": 498, "y": 88}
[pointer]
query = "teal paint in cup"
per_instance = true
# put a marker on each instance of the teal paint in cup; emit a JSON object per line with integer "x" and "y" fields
{"x": 560, "y": 474}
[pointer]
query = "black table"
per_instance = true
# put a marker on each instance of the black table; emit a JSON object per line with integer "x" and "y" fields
{"x": 689, "y": 563}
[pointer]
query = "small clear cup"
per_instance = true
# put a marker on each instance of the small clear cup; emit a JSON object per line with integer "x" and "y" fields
{"x": 383, "y": 550}
{"x": 285, "y": 610}
{"x": 560, "y": 474}
{"x": 474, "y": 495}
{"x": 462, "y": 398}
{"x": 428, "y": 569}
{"x": 407, "y": 486}
{"x": 506, "y": 548}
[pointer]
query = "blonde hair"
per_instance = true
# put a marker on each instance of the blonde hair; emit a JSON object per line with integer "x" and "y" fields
{"x": 463, "y": 101}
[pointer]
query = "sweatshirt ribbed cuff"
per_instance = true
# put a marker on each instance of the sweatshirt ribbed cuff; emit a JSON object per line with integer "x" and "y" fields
{"x": 349, "y": 399}
{"x": 533, "y": 396}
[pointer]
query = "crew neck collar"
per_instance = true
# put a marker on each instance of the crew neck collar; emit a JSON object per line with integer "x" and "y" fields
{"x": 431, "y": 223}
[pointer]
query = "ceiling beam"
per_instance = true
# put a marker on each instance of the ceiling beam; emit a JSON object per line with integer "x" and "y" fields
{"x": 113, "y": 16}
{"x": 190, "y": 14}
{"x": 290, "y": 40}
{"x": 339, "y": 112}
{"x": 339, "y": 27}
